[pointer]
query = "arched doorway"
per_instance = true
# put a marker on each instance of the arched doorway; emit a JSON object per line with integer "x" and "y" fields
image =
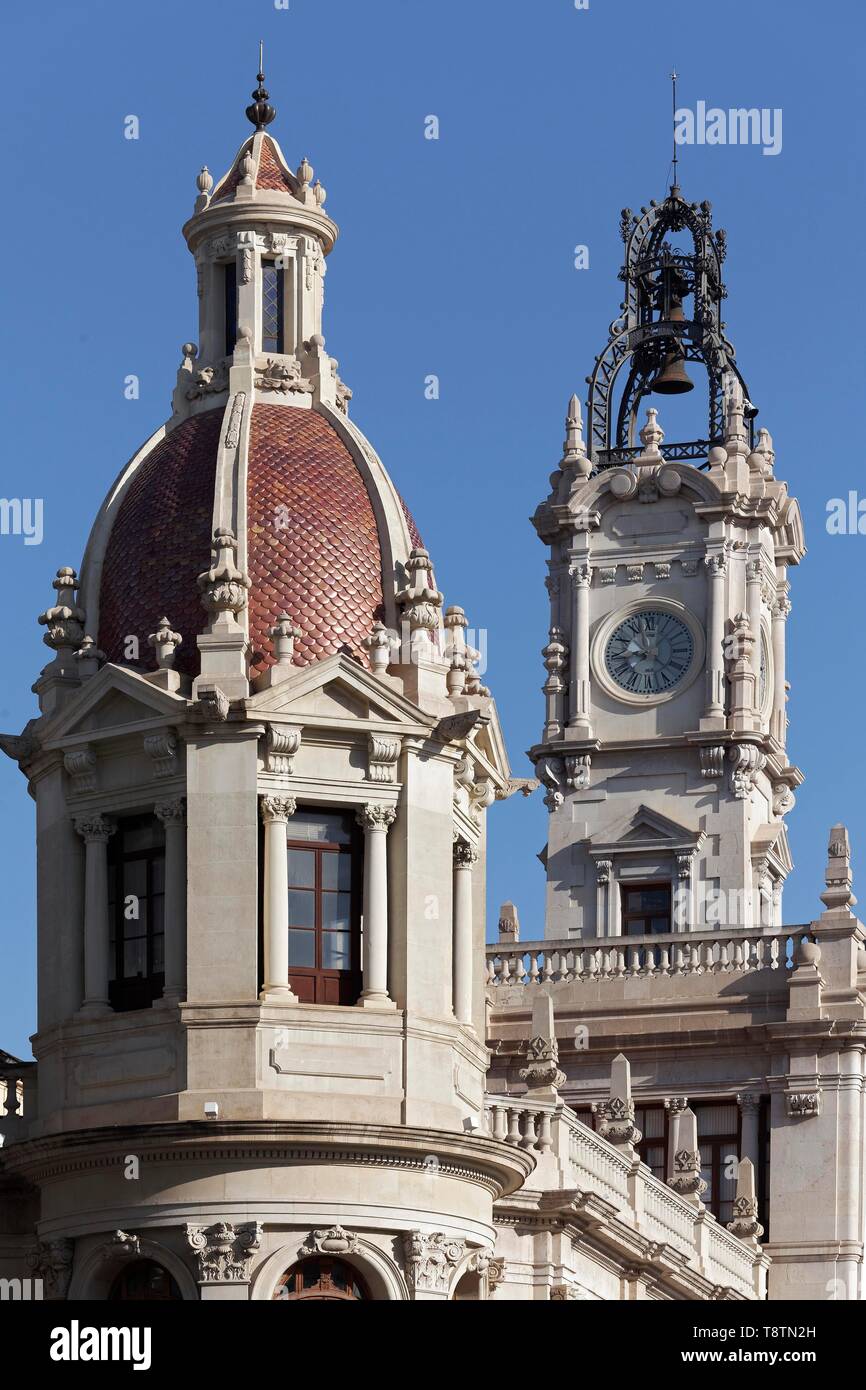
{"x": 322, "y": 1280}
{"x": 143, "y": 1281}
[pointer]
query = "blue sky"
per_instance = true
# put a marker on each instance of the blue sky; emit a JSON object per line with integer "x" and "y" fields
{"x": 455, "y": 258}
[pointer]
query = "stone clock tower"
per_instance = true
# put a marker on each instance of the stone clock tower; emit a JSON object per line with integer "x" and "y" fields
{"x": 664, "y": 744}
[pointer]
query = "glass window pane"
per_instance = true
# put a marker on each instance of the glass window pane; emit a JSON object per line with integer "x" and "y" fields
{"x": 302, "y": 948}
{"x": 135, "y": 878}
{"x": 157, "y": 874}
{"x": 272, "y": 308}
{"x": 336, "y": 950}
{"x": 144, "y": 834}
{"x": 302, "y": 868}
{"x": 158, "y": 954}
{"x": 156, "y": 908}
{"x": 337, "y": 871}
{"x": 302, "y": 907}
{"x": 336, "y": 909}
{"x": 135, "y": 957}
{"x": 322, "y": 826}
{"x": 716, "y": 1119}
{"x": 660, "y": 924}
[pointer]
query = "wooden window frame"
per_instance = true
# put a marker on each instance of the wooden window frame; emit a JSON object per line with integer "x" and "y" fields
{"x": 643, "y": 886}
{"x": 323, "y": 1292}
{"x": 281, "y": 306}
{"x": 327, "y": 982}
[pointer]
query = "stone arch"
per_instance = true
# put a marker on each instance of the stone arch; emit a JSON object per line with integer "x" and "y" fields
{"x": 379, "y": 1272}
{"x": 94, "y": 1275}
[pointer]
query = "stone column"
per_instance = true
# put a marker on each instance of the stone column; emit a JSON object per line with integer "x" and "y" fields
{"x": 375, "y": 822}
{"x": 465, "y": 857}
{"x": 96, "y": 830}
{"x": 750, "y": 1114}
{"x": 579, "y": 684}
{"x": 173, "y": 817}
{"x": 275, "y": 811}
{"x": 753, "y": 608}
{"x": 714, "y": 709}
{"x": 781, "y": 609}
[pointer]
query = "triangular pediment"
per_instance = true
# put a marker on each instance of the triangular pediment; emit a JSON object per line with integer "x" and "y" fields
{"x": 645, "y": 826}
{"x": 112, "y": 702}
{"x": 338, "y": 690}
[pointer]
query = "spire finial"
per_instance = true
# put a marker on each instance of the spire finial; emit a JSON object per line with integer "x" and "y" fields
{"x": 260, "y": 113}
{"x": 674, "y": 76}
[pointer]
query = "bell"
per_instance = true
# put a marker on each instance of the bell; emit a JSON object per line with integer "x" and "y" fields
{"x": 673, "y": 379}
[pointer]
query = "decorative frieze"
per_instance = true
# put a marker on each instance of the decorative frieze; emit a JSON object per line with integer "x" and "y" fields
{"x": 223, "y": 1252}
{"x": 635, "y": 573}
{"x": 382, "y": 754}
{"x": 80, "y": 764}
{"x": 606, "y": 574}
{"x": 282, "y": 742}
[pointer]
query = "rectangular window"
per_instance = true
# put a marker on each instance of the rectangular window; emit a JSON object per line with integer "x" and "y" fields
{"x": 646, "y": 909}
{"x": 136, "y": 902}
{"x": 272, "y": 308}
{"x": 231, "y": 306}
{"x": 325, "y": 879}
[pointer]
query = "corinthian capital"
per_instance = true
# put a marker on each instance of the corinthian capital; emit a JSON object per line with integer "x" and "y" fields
{"x": 275, "y": 808}
{"x": 374, "y": 817}
{"x": 95, "y": 829}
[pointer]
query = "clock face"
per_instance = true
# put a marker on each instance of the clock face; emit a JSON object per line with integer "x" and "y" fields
{"x": 649, "y": 652}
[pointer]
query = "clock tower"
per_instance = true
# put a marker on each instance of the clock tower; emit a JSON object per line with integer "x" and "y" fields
{"x": 663, "y": 753}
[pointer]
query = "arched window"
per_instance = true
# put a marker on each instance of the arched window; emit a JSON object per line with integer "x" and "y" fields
{"x": 323, "y": 1281}
{"x": 143, "y": 1281}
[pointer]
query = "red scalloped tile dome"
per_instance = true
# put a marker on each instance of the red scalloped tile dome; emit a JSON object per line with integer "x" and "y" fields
{"x": 312, "y": 541}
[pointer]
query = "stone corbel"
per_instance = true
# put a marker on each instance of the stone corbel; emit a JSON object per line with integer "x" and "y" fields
{"x": 282, "y": 744}
{"x": 382, "y": 754}
{"x": 713, "y": 760}
{"x": 224, "y": 1252}
{"x": 577, "y": 769}
{"x": 430, "y": 1260}
{"x": 80, "y": 764}
{"x": 551, "y": 774}
{"x": 162, "y": 750}
{"x": 481, "y": 795}
{"x": 214, "y": 703}
{"x": 747, "y": 761}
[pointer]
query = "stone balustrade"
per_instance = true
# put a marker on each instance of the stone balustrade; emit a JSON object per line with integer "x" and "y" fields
{"x": 734, "y": 952}
{"x": 17, "y": 1099}
{"x": 623, "y": 1201}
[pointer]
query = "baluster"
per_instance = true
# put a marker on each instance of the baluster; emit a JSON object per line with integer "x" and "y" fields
{"x": 725, "y": 948}
{"x": 738, "y": 956}
{"x": 664, "y": 964}
{"x": 677, "y": 955}
{"x": 649, "y": 961}
{"x": 588, "y": 965}
{"x": 491, "y": 973}
{"x": 633, "y": 960}
{"x": 529, "y": 1134}
{"x": 548, "y": 973}
{"x": 519, "y": 970}
{"x": 500, "y": 1123}
{"x": 533, "y": 968}
{"x": 513, "y": 1136}
{"x": 545, "y": 1139}
{"x": 504, "y": 970}
{"x": 773, "y": 963}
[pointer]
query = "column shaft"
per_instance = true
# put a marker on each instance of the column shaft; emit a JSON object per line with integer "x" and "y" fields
{"x": 715, "y": 693}
{"x": 96, "y": 831}
{"x": 375, "y": 821}
{"x": 464, "y": 858}
{"x": 172, "y": 815}
{"x": 579, "y": 692}
{"x": 276, "y": 811}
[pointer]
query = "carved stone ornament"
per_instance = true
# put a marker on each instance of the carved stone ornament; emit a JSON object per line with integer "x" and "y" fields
{"x": 223, "y": 1252}
{"x": 577, "y": 769}
{"x": 51, "y": 1261}
{"x": 465, "y": 854}
{"x": 65, "y": 620}
{"x": 223, "y": 588}
{"x": 616, "y": 1120}
{"x": 214, "y": 703}
{"x": 607, "y": 574}
{"x": 542, "y": 1069}
{"x": 282, "y": 743}
{"x": 748, "y": 761}
{"x": 171, "y": 812}
{"x": 713, "y": 760}
{"x": 603, "y": 870}
{"x": 687, "y": 1180}
{"x": 165, "y": 644}
{"x": 419, "y": 600}
{"x": 331, "y": 1241}
{"x": 745, "y": 1224}
{"x": 162, "y": 751}
{"x": 95, "y": 829}
{"x": 122, "y": 1247}
{"x": 376, "y": 817}
{"x": 803, "y": 1105}
{"x": 277, "y": 808}
{"x": 783, "y": 799}
{"x": 430, "y": 1260}
{"x": 80, "y": 764}
{"x": 551, "y": 774}
{"x": 233, "y": 429}
{"x": 210, "y": 380}
{"x": 382, "y": 754}
{"x": 282, "y": 375}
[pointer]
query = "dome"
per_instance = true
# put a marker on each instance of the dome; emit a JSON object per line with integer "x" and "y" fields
{"x": 313, "y": 544}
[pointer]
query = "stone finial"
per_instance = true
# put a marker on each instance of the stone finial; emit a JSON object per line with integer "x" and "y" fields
{"x": 574, "y": 447}
{"x": 686, "y": 1163}
{"x": 419, "y": 600}
{"x": 745, "y": 1224}
{"x": 304, "y": 172}
{"x": 223, "y": 587}
{"x": 509, "y": 924}
{"x": 838, "y": 896}
{"x": 377, "y": 644}
{"x": 320, "y": 194}
{"x": 165, "y": 644}
{"x": 651, "y": 435}
{"x": 284, "y": 634}
{"x": 763, "y": 457}
{"x": 616, "y": 1114}
{"x": 456, "y": 650}
{"x": 735, "y": 428}
{"x": 204, "y": 180}
{"x": 65, "y": 620}
{"x": 89, "y": 658}
{"x": 542, "y": 1053}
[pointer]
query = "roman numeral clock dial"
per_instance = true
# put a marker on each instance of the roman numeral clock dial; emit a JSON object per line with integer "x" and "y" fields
{"x": 649, "y": 653}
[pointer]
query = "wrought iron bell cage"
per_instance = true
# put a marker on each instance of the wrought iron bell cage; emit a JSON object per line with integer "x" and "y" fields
{"x": 656, "y": 274}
